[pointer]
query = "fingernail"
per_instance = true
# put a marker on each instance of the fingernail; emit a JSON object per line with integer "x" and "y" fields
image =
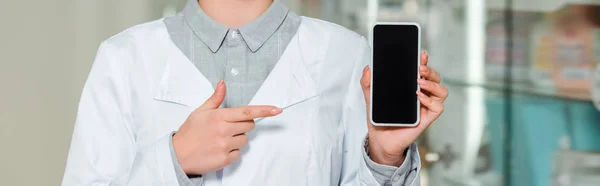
{"x": 423, "y": 68}
{"x": 276, "y": 111}
{"x": 422, "y": 82}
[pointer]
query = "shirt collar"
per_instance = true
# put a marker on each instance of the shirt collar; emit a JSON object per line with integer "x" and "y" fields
{"x": 255, "y": 33}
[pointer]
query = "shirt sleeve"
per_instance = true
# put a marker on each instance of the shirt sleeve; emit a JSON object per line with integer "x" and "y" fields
{"x": 395, "y": 176}
{"x": 182, "y": 178}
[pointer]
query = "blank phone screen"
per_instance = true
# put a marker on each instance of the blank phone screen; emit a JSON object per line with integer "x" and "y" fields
{"x": 395, "y": 68}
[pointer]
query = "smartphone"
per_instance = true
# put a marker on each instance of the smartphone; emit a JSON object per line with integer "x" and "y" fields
{"x": 395, "y": 70}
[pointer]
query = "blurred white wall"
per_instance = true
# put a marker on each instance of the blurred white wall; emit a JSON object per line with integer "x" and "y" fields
{"x": 46, "y": 51}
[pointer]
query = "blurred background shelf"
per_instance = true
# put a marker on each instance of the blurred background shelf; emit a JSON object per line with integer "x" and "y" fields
{"x": 537, "y": 5}
{"x": 523, "y": 88}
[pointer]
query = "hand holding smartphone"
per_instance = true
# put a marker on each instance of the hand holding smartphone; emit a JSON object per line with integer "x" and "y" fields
{"x": 395, "y": 70}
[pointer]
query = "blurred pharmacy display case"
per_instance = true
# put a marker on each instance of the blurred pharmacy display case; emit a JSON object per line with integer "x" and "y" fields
{"x": 523, "y": 80}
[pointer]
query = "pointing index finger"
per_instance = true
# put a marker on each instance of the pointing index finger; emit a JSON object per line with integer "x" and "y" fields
{"x": 247, "y": 113}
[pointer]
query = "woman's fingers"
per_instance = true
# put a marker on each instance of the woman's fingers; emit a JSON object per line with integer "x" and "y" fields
{"x": 435, "y": 89}
{"x": 239, "y": 141}
{"x": 424, "y": 58}
{"x": 432, "y": 105}
{"x": 238, "y": 128}
{"x": 429, "y": 74}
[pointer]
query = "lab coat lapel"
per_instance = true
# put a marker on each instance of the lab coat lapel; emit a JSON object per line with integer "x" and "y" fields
{"x": 181, "y": 82}
{"x": 290, "y": 82}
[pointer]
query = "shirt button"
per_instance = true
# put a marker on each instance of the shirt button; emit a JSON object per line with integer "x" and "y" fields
{"x": 234, "y": 34}
{"x": 234, "y": 71}
{"x": 396, "y": 178}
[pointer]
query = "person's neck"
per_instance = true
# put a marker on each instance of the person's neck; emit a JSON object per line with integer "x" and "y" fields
{"x": 234, "y": 13}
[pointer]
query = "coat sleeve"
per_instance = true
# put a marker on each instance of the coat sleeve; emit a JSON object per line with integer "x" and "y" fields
{"x": 103, "y": 149}
{"x": 355, "y": 170}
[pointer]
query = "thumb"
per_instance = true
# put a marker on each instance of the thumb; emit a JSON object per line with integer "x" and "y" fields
{"x": 216, "y": 99}
{"x": 365, "y": 83}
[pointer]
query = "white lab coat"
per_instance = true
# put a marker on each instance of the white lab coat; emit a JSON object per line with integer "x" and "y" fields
{"x": 142, "y": 88}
